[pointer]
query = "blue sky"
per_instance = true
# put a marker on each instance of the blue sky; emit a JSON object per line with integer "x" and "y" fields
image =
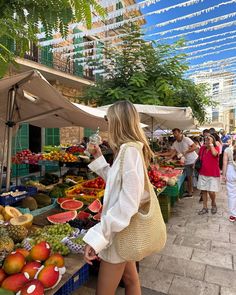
{"x": 179, "y": 12}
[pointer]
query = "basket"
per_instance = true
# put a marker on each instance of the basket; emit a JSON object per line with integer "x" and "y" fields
{"x": 76, "y": 281}
{"x": 38, "y": 211}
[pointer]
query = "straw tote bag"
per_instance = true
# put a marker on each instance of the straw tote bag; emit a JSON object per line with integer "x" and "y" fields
{"x": 146, "y": 233}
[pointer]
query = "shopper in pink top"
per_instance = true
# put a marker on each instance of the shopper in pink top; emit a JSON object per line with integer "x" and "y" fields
{"x": 209, "y": 173}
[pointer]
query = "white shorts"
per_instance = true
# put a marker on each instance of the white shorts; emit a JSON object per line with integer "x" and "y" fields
{"x": 208, "y": 183}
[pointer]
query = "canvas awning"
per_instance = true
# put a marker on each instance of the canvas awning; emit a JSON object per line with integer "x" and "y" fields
{"x": 163, "y": 117}
{"x": 39, "y": 103}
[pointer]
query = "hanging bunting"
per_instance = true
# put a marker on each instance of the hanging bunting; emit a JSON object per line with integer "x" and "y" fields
{"x": 121, "y": 23}
{"x": 212, "y": 62}
{"x": 209, "y": 37}
{"x": 209, "y": 48}
{"x": 210, "y": 53}
{"x": 201, "y": 24}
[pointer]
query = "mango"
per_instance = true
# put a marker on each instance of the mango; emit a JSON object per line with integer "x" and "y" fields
{"x": 13, "y": 263}
{"x": 15, "y": 282}
{"x": 33, "y": 287}
{"x": 31, "y": 268}
{"x": 6, "y": 292}
{"x": 49, "y": 276}
{"x": 40, "y": 251}
{"x": 55, "y": 259}
{"x": 3, "y": 275}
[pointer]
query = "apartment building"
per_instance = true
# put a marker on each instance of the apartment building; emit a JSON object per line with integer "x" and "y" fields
{"x": 222, "y": 91}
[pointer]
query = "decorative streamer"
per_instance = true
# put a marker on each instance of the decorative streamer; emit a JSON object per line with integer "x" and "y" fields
{"x": 209, "y": 37}
{"x": 121, "y": 23}
{"x": 209, "y": 48}
{"x": 195, "y": 25}
{"x": 207, "y": 43}
{"x": 212, "y": 62}
{"x": 219, "y": 67}
{"x": 210, "y": 53}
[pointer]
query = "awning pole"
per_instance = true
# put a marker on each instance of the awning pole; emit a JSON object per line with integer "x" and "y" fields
{"x": 10, "y": 124}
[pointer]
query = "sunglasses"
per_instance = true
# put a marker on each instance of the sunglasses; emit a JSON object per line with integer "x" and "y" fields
{"x": 105, "y": 118}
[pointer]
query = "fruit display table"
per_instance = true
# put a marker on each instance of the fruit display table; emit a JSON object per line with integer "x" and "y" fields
{"x": 77, "y": 271}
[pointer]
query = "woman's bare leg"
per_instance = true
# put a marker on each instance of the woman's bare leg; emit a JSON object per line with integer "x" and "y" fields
{"x": 204, "y": 196}
{"x": 131, "y": 279}
{"x": 109, "y": 277}
{"x": 213, "y": 198}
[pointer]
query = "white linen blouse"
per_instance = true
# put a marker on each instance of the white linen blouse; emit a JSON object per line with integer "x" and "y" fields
{"x": 121, "y": 201}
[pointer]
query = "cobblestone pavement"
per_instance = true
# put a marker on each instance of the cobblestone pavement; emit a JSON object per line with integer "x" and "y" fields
{"x": 199, "y": 257}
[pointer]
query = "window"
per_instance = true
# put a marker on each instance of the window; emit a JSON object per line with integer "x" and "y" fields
{"x": 215, "y": 88}
{"x": 88, "y": 72}
{"x": 120, "y": 18}
{"x": 215, "y": 115}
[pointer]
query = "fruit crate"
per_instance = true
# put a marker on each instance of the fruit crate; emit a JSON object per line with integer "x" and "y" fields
{"x": 76, "y": 281}
{"x": 86, "y": 184}
{"x": 71, "y": 193}
{"x": 171, "y": 191}
{"x": 165, "y": 204}
{"x": 40, "y": 210}
{"x": 10, "y": 199}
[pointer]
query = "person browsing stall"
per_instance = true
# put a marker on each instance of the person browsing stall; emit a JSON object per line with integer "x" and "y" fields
{"x": 124, "y": 194}
{"x": 184, "y": 147}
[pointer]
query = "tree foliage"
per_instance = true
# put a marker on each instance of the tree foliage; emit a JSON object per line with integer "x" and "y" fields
{"x": 19, "y": 21}
{"x": 147, "y": 73}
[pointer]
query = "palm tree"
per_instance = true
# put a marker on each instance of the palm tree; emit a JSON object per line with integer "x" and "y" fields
{"x": 20, "y": 20}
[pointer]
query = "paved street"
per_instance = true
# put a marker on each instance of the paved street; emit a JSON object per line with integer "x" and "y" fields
{"x": 199, "y": 257}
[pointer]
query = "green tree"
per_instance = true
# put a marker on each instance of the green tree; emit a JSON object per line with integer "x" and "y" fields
{"x": 147, "y": 73}
{"x": 19, "y": 22}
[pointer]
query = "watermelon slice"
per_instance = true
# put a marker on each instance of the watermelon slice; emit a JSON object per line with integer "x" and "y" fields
{"x": 82, "y": 215}
{"x": 96, "y": 206}
{"x": 62, "y": 217}
{"x": 61, "y": 200}
{"x": 97, "y": 217}
{"x": 72, "y": 205}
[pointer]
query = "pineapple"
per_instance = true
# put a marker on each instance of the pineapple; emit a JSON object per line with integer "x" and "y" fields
{"x": 17, "y": 232}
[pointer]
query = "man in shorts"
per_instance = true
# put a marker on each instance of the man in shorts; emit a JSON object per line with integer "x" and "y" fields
{"x": 184, "y": 147}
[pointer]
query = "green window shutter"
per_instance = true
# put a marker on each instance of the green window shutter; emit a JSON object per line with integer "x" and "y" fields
{"x": 99, "y": 49}
{"x": 8, "y": 43}
{"x": 20, "y": 142}
{"x": 120, "y": 18}
{"x": 46, "y": 57}
{"x": 52, "y": 136}
{"x": 78, "y": 69}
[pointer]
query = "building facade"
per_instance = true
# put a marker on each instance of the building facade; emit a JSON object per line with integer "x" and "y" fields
{"x": 222, "y": 91}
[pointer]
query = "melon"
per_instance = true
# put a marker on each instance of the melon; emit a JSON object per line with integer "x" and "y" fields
{"x": 11, "y": 212}
{"x": 61, "y": 200}
{"x": 95, "y": 206}
{"x": 25, "y": 220}
{"x": 72, "y": 205}
{"x": 97, "y": 217}
{"x": 62, "y": 217}
{"x": 82, "y": 215}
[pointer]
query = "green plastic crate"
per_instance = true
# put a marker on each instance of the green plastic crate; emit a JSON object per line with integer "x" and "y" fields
{"x": 171, "y": 191}
{"x": 165, "y": 204}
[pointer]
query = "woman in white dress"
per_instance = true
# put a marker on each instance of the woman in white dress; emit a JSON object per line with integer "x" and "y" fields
{"x": 123, "y": 195}
{"x": 229, "y": 175}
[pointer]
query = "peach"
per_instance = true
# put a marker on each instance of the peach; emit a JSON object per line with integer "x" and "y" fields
{"x": 13, "y": 263}
{"x": 31, "y": 268}
{"x": 15, "y": 282}
{"x": 40, "y": 251}
{"x": 49, "y": 276}
{"x": 33, "y": 287}
{"x": 55, "y": 259}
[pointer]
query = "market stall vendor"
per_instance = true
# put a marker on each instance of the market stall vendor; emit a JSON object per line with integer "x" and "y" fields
{"x": 184, "y": 148}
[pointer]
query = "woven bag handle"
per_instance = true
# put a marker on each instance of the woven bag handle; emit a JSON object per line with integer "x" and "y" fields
{"x": 147, "y": 183}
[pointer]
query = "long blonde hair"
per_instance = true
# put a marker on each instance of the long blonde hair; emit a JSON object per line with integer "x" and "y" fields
{"x": 124, "y": 126}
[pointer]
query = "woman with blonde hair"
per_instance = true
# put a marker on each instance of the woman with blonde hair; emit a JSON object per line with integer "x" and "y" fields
{"x": 123, "y": 195}
{"x": 229, "y": 176}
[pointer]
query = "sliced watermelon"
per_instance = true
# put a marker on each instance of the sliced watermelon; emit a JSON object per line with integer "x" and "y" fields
{"x": 62, "y": 217}
{"x": 61, "y": 200}
{"x": 95, "y": 206}
{"x": 72, "y": 205}
{"x": 82, "y": 215}
{"x": 97, "y": 217}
